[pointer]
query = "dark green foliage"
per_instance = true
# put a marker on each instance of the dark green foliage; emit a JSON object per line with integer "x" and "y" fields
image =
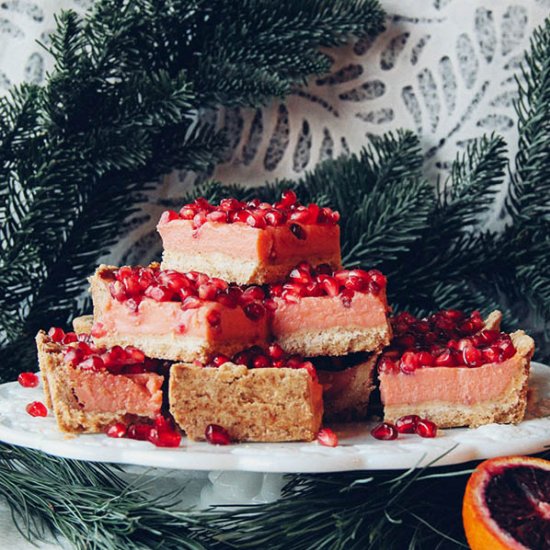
{"x": 119, "y": 110}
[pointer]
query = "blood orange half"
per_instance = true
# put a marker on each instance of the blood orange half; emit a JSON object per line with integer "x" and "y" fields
{"x": 507, "y": 505}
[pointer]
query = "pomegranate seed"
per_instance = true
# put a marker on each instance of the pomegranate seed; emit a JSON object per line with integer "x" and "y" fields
{"x": 117, "y": 430}
{"x": 73, "y": 356}
{"x": 491, "y": 355}
{"x": 254, "y": 311}
{"x": 302, "y": 216}
{"x": 409, "y": 362}
{"x": 70, "y": 337}
{"x": 424, "y": 359}
{"x": 220, "y": 359}
{"x": 335, "y": 216}
{"x": 230, "y": 204}
{"x": 407, "y": 424}
{"x": 28, "y": 379}
{"x": 187, "y": 213}
{"x": 327, "y": 437}
{"x": 253, "y": 203}
{"x": 255, "y": 219}
{"x": 168, "y": 216}
{"x": 312, "y": 371}
{"x": 275, "y": 218}
{"x": 331, "y": 286}
{"x": 298, "y": 231}
{"x": 140, "y": 432}
{"x": 346, "y": 297}
{"x": 426, "y": 428}
{"x": 214, "y": 318}
{"x": 164, "y": 438}
{"x": 216, "y": 435}
{"x": 94, "y": 364}
{"x": 384, "y": 431}
{"x": 446, "y": 359}
{"x": 377, "y": 277}
{"x": 387, "y": 365}
{"x": 191, "y": 302}
{"x": 36, "y": 408}
{"x": 98, "y": 330}
{"x": 252, "y": 294}
{"x": 242, "y": 358}
{"x": 300, "y": 276}
{"x": 261, "y": 362}
{"x": 276, "y": 351}
{"x": 134, "y": 369}
{"x": 134, "y": 355}
{"x": 288, "y": 198}
{"x": 488, "y": 337}
{"x": 208, "y": 292}
{"x": 56, "y": 334}
{"x": 118, "y": 291}
{"x": 227, "y": 300}
{"x": 356, "y": 283}
{"x": 290, "y": 296}
{"x": 199, "y": 220}
{"x": 181, "y": 328}
{"x": 472, "y": 356}
{"x": 159, "y": 293}
{"x": 506, "y": 347}
{"x": 217, "y": 216}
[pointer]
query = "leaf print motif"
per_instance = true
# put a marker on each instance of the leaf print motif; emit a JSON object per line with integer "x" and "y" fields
{"x": 486, "y": 33}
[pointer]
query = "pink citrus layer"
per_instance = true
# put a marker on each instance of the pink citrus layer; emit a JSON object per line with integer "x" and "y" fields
{"x": 270, "y": 245}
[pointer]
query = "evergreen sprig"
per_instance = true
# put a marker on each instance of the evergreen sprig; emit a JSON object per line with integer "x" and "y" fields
{"x": 121, "y": 108}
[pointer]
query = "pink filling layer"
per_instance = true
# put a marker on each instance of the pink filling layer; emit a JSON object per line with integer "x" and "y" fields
{"x": 160, "y": 318}
{"x": 270, "y": 245}
{"x": 139, "y": 394}
{"x": 462, "y": 385}
{"x": 317, "y": 313}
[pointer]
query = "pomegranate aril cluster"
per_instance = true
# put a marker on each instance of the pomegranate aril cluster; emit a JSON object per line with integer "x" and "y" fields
{"x": 445, "y": 339}
{"x": 410, "y": 424}
{"x": 273, "y": 357}
{"x": 162, "y": 433}
{"x": 306, "y": 281}
{"x": 129, "y": 285}
{"x": 79, "y": 351}
{"x": 255, "y": 213}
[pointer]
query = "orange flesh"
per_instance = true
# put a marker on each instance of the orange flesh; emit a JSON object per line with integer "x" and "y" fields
{"x": 450, "y": 384}
{"x": 324, "y": 312}
{"x": 139, "y": 394}
{"x": 271, "y": 245}
{"x": 158, "y": 318}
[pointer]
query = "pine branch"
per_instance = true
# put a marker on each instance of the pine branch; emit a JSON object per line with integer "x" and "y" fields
{"x": 119, "y": 110}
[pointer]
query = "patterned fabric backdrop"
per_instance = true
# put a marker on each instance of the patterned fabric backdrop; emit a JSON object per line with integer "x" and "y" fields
{"x": 444, "y": 68}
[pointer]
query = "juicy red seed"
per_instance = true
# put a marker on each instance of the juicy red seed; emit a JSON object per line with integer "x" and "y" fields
{"x": 159, "y": 293}
{"x": 327, "y": 437}
{"x": 261, "y": 362}
{"x": 426, "y": 428}
{"x": 216, "y": 435}
{"x": 187, "y": 213}
{"x": 220, "y": 359}
{"x": 140, "y": 432}
{"x": 290, "y": 296}
{"x": 73, "y": 356}
{"x": 347, "y": 296}
{"x": 164, "y": 438}
{"x": 28, "y": 379}
{"x": 302, "y": 216}
{"x": 117, "y": 430}
{"x": 331, "y": 286}
{"x": 384, "y": 431}
{"x": 409, "y": 362}
{"x": 288, "y": 198}
{"x": 214, "y": 318}
{"x": 217, "y": 216}
{"x": 56, "y": 334}
{"x": 387, "y": 365}
{"x": 118, "y": 291}
{"x": 446, "y": 359}
{"x": 407, "y": 424}
{"x": 276, "y": 351}
{"x": 275, "y": 218}
{"x": 208, "y": 292}
{"x": 254, "y": 311}
{"x": 424, "y": 359}
{"x": 199, "y": 220}
{"x": 300, "y": 276}
{"x": 251, "y": 294}
{"x": 472, "y": 357}
{"x": 168, "y": 216}
{"x": 98, "y": 330}
{"x": 36, "y": 408}
{"x": 298, "y": 231}
{"x": 70, "y": 337}
{"x": 255, "y": 219}
{"x": 242, "y": 358}
{"x": 191, "y": 302}
{"x": 94, "y": 364}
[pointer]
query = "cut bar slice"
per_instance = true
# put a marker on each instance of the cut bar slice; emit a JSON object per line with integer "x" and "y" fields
{"x": 480, "y": 392}
{"x": 175, "y": 316}
{"x": 262, "y": 404}
{"x": 87, "y": 397}
{"x": 347, "y": 391}
{"x": 249, "y": 242}
{"x": 320, "y": 312}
